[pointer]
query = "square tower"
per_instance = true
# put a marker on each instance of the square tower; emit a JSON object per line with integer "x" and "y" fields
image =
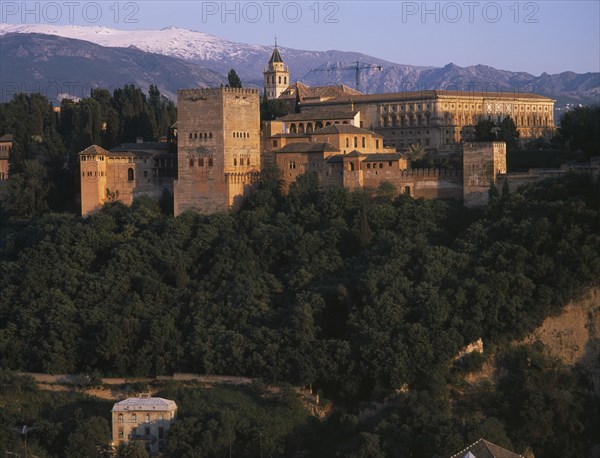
{"x": 482, "y": 163}
{"x": 277, "y": 76}
{"x": 218, "y": 147}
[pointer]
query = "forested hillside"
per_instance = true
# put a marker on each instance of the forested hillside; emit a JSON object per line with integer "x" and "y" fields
{"x": 354, "y": 294}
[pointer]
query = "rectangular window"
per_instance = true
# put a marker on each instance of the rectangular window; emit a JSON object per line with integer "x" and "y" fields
{"x": 191, "y": 162}
{"x": 275, "y": 143}
{"x": 121, "y": 433}
{"x": 210, "y": 161}
{"x": 161, "y": 432}
{"x": 147, "y": 431}
{"x": 201, "y": 162}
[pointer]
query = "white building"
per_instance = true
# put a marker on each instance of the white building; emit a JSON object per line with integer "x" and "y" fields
{"x": 143, "y": 419}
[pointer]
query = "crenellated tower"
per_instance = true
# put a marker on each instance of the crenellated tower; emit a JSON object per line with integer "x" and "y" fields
{"x": 277, "y": 76}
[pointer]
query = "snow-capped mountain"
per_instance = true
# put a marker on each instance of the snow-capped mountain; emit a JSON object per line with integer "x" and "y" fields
{"x": 209, "y": 55}
{"x": 170, "y": 41}
{"x": 212, "y": 52}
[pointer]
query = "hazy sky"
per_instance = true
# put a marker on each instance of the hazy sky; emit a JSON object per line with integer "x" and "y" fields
{"x": 536, "y": 37}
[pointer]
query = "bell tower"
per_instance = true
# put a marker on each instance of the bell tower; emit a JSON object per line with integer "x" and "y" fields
{"x": 277, "y": 75}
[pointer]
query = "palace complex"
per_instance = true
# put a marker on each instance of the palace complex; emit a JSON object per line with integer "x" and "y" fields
{"x": 343, "y": 136}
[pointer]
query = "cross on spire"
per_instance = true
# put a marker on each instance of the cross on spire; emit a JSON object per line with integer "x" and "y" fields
{"x": 275, "y": 40}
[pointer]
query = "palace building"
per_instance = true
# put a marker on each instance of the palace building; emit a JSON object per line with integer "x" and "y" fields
{"x": 125, "y": 172}
{"x": 345, "y": 137}
{"x": 439, "y": 120}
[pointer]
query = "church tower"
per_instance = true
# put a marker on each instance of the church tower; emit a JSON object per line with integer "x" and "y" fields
{"x": 277, "y": 76}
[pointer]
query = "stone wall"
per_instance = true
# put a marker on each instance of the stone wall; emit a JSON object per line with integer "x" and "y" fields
{"x": 218, "y": 137}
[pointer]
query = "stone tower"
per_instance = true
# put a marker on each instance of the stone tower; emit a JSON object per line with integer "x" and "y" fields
{"x": 277, "y": 76}
{"x": 92, "y": 165}
{"x": 482, "y": 162}
{"x": 218, "y": 151}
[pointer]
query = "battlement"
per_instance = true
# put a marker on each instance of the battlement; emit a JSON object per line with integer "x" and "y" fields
{"x": 203, "y": 93}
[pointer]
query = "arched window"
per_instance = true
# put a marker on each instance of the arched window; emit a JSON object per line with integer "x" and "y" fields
{"x": 355, "y": 142}
{"x": 120, "y": 418}
{"x": 293, "y": 128}
{"x": 133, "y": 417}
{"x": 364, "y": 142}
{"x": 280, "y": 80}
{"x": 285, "y": 80}
{"x": 234, "y": 161}
{"x": 196, "y": 135}
{"x": 351, "y": 166}
{"x": 347, "y": 142}
{"x": 130, "y": 174}
{"x": 301, "y": 128}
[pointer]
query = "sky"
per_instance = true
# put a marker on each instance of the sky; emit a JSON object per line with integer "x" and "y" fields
{"x": 530, "y": 36}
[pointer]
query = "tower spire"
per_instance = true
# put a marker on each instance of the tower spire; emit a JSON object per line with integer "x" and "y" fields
{"x": 275, "y": 40}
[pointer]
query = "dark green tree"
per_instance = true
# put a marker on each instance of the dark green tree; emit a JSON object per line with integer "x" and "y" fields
{"x": 484, "y": 131}
{"x": 233, "y": 79}
{"x": 508, "y": 133}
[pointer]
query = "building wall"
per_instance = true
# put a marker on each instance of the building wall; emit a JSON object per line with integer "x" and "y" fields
{"x": 482, "y": 162}
{"x": 441, "y": 122}
{"x": 127, "y": 424}
{"x": 218, "y": 147}
{"x": 5, "y": 152}
{"x": 93, "y": 181}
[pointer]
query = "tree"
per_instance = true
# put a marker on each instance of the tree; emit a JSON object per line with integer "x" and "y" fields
{"x": 234, "y": 79}
{"x": 26, "y": 192}
{"x": 508, "y": 133}
{"x": 484, "y": 131}
{"x": 416, "y": 152}
{"x": 580, "y": 130}
{"x": 90, "y": 436}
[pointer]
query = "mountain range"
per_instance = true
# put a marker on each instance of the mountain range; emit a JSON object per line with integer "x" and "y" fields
{"x": 54, "y": 56}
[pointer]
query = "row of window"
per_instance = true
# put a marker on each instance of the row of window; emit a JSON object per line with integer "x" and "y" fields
{"x": 201, "y": 162}
{"x": 91, "y": 158}
{"x": 281, "y": 79}
{"x": 241, "y": 134}
{"x": 301, "y": 129}
{"x": 242, "y": 161}
{"x": 201, "y": 135}
{"x": 133, "y": 417}
{"x": 161, "y": 432}
{"x": 355, "y": 143}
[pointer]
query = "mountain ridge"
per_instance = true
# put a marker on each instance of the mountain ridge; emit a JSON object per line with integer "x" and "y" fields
{"x": 316, "y": 67}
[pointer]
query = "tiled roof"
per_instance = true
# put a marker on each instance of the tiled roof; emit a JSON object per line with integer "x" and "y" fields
{"x": 344, "y": 129}
{"x": 144, "y": 404}
{"x": 6, "y": 138}
{"x": 485, "y": 449}
{"x": 94, "y": 150}
{"x": 431, "y": 95}
{"x": 307, "y": 92}
{"x": 355, "y": 153}
{"x": 275, "y": 57}
{"x": 308, "y": 147}
{"x": 336, "y": 158}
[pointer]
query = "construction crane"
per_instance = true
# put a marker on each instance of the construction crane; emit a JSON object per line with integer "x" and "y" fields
{"x": 356, "y": 67}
